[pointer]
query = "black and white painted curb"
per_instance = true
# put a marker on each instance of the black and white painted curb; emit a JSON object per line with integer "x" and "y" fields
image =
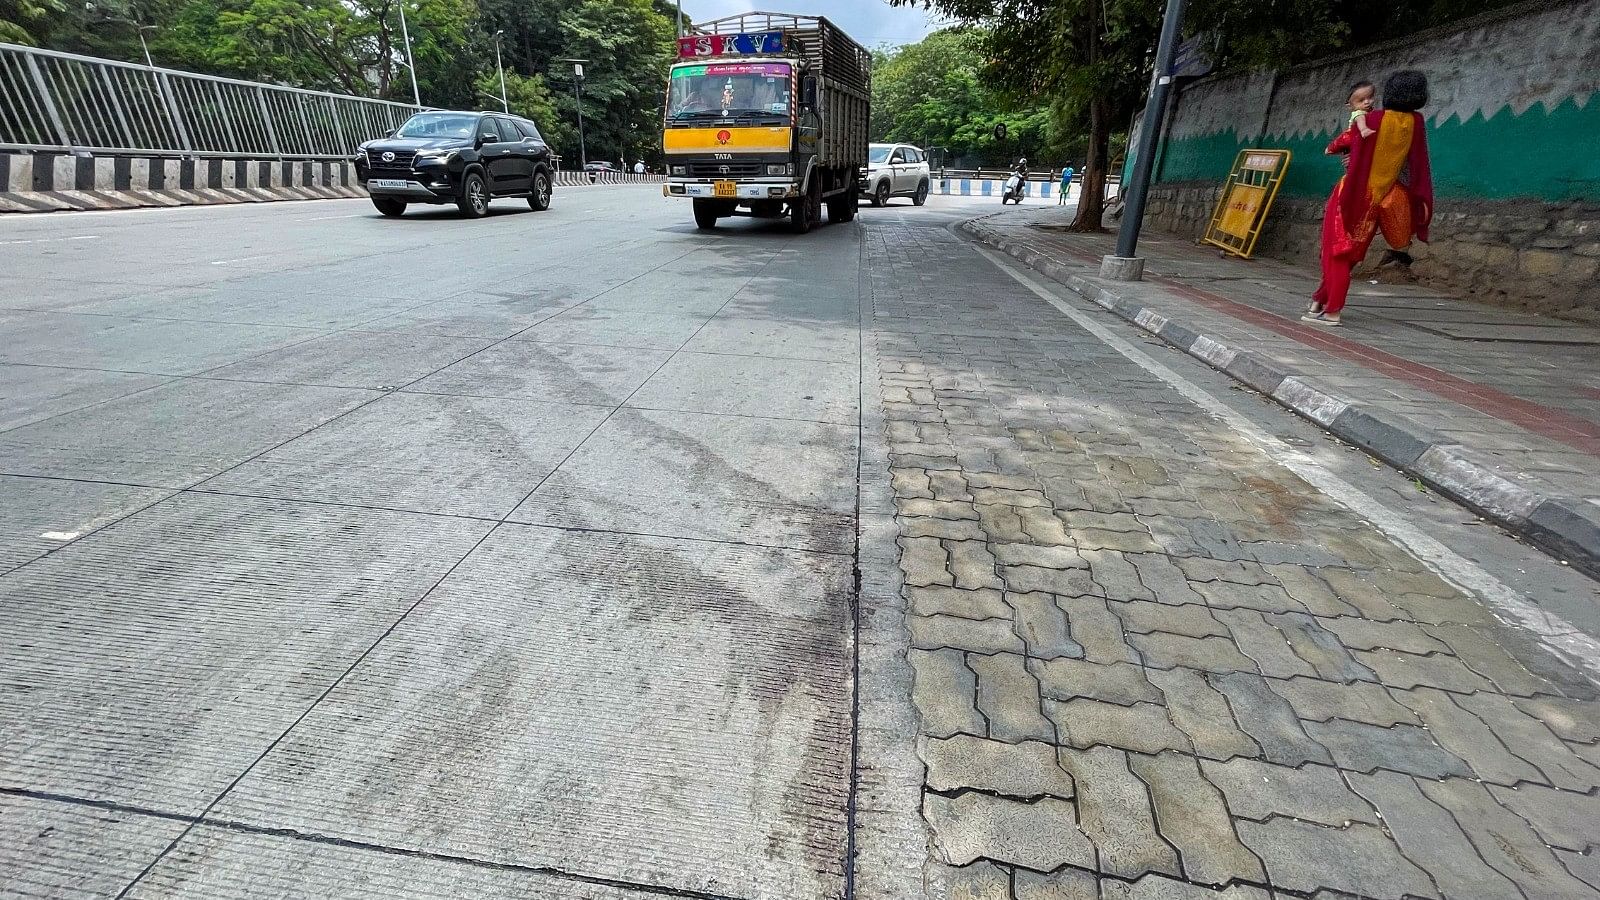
{"x": 1566, "y": 527}
{"x": 48, "y": 182}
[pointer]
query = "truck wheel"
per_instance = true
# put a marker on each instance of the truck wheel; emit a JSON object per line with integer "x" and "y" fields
{"x": 805, "y": 211}
{"x": 389, "y": 206}
{"x": 474, "y": 199}
{"x": 880, "y": 196}
{"x": 842, "y": 207}
{"x": 705, "y": 215}
{"x": 539, "y": 197}
{"x": 922, "y": 194}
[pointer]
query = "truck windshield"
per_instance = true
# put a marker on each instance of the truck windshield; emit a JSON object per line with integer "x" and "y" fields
{"x": 760, "y": 90}
{"x": 438, "y": 125}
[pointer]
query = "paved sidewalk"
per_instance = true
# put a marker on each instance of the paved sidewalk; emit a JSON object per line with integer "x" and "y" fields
{"x": 1153, "y": 664}
{"x": 1497, "y": 409}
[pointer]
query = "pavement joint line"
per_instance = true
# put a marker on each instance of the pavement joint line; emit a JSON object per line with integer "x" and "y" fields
{"x": 853, "y": 790}
{"x": 1559, "y": 636}
{"x": 241, "y": 827}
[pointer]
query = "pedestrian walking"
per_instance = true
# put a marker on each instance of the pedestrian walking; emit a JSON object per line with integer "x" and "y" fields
{"x": 1066, "y": 185}
{"x": 1387, "y": 186}
{"x": 638, "y": 167}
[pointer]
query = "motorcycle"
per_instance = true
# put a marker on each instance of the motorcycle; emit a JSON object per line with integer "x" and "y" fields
{"x": 1013, "y": 189}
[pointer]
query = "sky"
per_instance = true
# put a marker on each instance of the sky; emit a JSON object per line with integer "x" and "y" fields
{"x": 870, "y": 22}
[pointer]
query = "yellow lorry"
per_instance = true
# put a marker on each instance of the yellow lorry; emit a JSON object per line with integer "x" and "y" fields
{"x": 766, "y": 115}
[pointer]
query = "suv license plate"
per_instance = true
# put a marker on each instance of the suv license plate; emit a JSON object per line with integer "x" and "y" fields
{"x": 389, "y": 182}
{"x": 726, "y": 189}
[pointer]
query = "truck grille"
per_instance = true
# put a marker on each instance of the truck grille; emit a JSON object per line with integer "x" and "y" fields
{"x": 402, "y": 159}
{"x": 724, "y": 169}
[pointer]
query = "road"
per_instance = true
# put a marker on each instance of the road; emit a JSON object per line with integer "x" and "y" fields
{"x": 580, "y": 554}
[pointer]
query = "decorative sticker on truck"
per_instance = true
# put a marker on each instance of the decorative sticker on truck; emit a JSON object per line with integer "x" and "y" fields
{"x": 742, "y": 140}
{"x": 697, "y": 45}
{"x": 772, "y": 69}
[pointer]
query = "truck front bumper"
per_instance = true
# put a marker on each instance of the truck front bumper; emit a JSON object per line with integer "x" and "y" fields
{"x": 742, "y": 190}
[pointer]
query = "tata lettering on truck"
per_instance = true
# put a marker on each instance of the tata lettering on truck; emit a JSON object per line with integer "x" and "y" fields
{"x": 766, "y": 116}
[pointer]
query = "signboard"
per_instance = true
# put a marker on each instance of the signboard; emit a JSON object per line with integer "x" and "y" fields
{"x": 1246, "y": 198}
{"x": 696, "y": 45}
{"x": 1193, "y": 57}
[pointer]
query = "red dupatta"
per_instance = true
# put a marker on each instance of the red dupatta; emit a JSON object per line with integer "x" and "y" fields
{"x": 1375, "y": 163}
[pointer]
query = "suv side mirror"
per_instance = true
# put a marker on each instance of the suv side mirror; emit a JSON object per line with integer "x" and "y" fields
{"x": 488, "y": 137}
{"x": 808, "y": 91}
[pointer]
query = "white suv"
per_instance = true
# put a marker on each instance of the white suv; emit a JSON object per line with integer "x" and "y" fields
{"x": 895, "y": 170}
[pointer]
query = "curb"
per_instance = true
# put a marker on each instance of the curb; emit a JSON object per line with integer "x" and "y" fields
{"x": 1565, "y": 527}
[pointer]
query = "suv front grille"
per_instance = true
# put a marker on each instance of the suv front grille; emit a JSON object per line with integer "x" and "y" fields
{"x": 724, "y": 169}
{"x": 402, "y": 159}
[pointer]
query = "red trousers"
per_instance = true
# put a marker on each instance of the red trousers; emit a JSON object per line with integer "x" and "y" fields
{"x": 1344, "y": 249}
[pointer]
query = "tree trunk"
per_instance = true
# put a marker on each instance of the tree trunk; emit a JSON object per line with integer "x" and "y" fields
{"x": 1092, "y": 197}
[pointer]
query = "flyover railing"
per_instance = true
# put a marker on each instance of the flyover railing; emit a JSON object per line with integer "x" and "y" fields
{"x": 66, "y": 102}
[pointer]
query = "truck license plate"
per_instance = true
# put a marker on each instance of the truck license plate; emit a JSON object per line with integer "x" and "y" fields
{"x": 726, "y": 189}
{"x": 389, "y": 182}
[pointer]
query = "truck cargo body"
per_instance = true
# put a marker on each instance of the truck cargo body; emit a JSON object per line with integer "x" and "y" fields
{"x": 767, "y": 115}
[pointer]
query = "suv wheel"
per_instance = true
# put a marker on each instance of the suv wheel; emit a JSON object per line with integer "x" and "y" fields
{"x": 922, "y": 194}
{"x": 880, "y": 197}
{"x": 389, "y": 206}
{"x": 474, "y": 199}
{"x": 539, "y": 197}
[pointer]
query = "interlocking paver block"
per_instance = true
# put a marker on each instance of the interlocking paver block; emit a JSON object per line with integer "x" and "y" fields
{"x": 1316, "y": 700}
{"x": 935, "y": 509}
{"x": 1145, "y": 616}
{"x": 1120, "y": 683}
{"x": 944, "y": 691}
{"x": 1309, "y": 591}
{"x": 1165, "y": 580}
{"x": 1063, "y": 582}
{"x": 1126, "y": 541}
{"x": 1043, "y": 835}
{"x": 949, "y": 485}
{"x": 938, "y": 600}
{"x": 977, "y": 635}
{"x": 1504, "y": 840}
{"x": 1408, "y": 670}
{"x": 923, "y": 561}
{"x": 1034, "y": 555}
{"x": 1260, "y": 790}
{"x": 1269, "y": 719}
{"x": 1359, "y": 860}
{"x": 1199, "y": 569}
{"x": 1067, "y": 884}
{"x": 1480, "y": 651}
{"x": 1262, "y": 642}
{"x": 1096, "y": 630}
{"x": 1364, "y": 634}
{"x": 1572, "y": 720}
{"x": 1143, "y": 727}
{"x": 1401, "y": 748}
{"x": 1192, "y": 815}
{"x": 1117, "y": 577}
{"x": 1430, "y": 838}
{"x": 1321, "y": 648}
{"x": 1158, "y": 887}
{"x": 1042, "y": 624}
{"x": 1210, "y": 654}
{"x": 1466, "y": 735}
{"x": 911, "y": 483}
{"x": 1001, "y": 523}
{"x": 1114, "y": 810}
{"x": 978, "y": 881}
{"x": 1267, "y": 598}
{"x": 1008, "y": 696}
{"x": 972, "y": 565}
{"x": 944, "y": 529}
{"x": 1369, "y": 599}
{"x": 1202, "y": 713}
{"x": 1562, "y": 818}
{"x": 1028, "y": 769}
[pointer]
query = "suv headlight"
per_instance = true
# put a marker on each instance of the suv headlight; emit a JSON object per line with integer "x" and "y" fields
{"x": 435, "y": 155}
{"x": 680, "y": 170}
{"x": 781, "y": 169}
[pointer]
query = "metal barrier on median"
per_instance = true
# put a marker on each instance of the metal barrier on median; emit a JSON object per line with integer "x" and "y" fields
{"x": 62, "y": 101}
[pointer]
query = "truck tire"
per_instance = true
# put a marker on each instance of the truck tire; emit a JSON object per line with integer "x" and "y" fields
{"x": 806, "y": 210}
{"x": 842, "y": 207}
{"x": 705, "y": 215}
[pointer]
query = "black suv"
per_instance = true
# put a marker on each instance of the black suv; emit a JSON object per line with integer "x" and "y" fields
{"x": 463, "y": 158}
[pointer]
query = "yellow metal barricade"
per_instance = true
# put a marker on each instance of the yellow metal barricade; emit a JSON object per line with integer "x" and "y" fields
{"x": 1248, "y": 194}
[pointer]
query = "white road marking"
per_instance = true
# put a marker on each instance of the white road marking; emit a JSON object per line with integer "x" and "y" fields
{"x": 80, "y": 237}
{"x": 326, "y": 218}
{"x": 60, "y": 535}
{"x": 1553, "y": 632}
{"x": 225, "y": 262}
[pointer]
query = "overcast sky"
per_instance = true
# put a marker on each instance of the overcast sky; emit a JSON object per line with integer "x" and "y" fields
{"x": 871, "y": 22}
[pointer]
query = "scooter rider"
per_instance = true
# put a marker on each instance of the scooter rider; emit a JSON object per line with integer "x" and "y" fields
{"x": 1014, "y": 182}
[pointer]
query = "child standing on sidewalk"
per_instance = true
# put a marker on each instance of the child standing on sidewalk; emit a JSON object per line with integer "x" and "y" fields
{"x": 1066, "y": 185}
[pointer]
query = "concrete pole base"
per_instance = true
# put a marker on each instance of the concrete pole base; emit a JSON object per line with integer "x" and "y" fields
{"x": 1122, "y": 268}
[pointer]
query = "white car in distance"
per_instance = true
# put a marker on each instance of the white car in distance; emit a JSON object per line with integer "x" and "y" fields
{"x": 895, "y": 170}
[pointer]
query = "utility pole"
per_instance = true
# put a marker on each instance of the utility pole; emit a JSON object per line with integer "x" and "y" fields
{"x": 1125, "y": 266}
{"x": 411, "y": 62}
{"x": 679, "y": 20}
{"x": 577, "y": 99}
{"x": 504, "y": 105}
{"x": 144, "y": 46}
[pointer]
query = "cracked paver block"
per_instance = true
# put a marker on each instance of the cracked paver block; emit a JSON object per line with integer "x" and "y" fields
{"x": 1533, "y": 742}
{"x": 949, "y": 485}
{"x": 1260, "y": 790}
{"x": 1008, "y": 696}
{"x": 1321, "y": 648}
{"x": 1192, "y": 815}
{"x": 1067, "y": 884}
{"x": 1408, "y": 670}
{"x": 978, "y": 881}
{"x": 1043, "y": 835}
{"x": 1096, "y": 630}
{"x": 1001, "y": 523}
{"x": 1062, "y": 582}
{"x": 911, "y": 483}
{"x": 937, "y": 600}
{"x": 1572, "y": 720}
{"x": 1269, "y": 719}
{"x": 947, "y": 529}
{"x": 1159, "y": 887}
{"x": 1504, "y": 840}
{"x": 1042, "y": 625}
{"x": 1268, "y": 598}
{"x": 1365, "y": 634}
{"x": 1042, "y": 527}
{"x": 1003, "y": 482}
{"x": 1210, "y": 654}
{"x": 1028, "y": 769}
{"x": 1402, "y": 748}
{"x": 1117, "y": 577}
{"x": 1309, "y": 591}
{"x": 923, "y": 561}
{"x": 1200, "y": 569}
{"x": 936, "y": 509}
{"x": 1461, "y": 610}
{"x": 1143, "y": 727}
{"x": 1034, "y": 555}
{"x": 1202, "y": 713}
{"x": 1145, "y": 616}
{"x": 1563, "y": 818}
{"x": 1316, "y": 700}
{"x": 1127, "y": 541}
{"x": 1468, "y": 736}
{"x": 977, "y": 635}
{"x": 1480, "y": 651}
{"x": 972, "y": 565}
{"x": 1165, "y": 580}
{"x": 1262, "y": 642}
{"x": 1120, "y": 683}
{"x": 943, "y": 690}
{"x": 1114, "y": 810}
{"x": 1429, "y": 837}
{"x": 1359, "y": 860}
{"x": 1022, "y": 500}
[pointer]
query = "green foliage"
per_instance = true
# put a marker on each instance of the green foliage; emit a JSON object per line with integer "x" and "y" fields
{"x": 528, "y": 96}
{"x": 26, "y": 21}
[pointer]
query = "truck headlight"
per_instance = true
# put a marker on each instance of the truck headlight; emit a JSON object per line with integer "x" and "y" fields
{"x": 680, "y": 170}
{"x": 781, "y": 169}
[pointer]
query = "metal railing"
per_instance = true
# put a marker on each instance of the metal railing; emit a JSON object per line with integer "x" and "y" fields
{"x": 65, "y": 102}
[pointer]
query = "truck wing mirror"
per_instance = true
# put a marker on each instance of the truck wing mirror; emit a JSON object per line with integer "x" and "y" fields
{"x": 808, "y": 91}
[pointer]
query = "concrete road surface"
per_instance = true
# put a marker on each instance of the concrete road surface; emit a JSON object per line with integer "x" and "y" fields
{"x": 581, "y": 554}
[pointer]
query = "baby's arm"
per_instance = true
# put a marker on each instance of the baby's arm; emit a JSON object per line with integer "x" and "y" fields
{"x": 1366, "y": 131}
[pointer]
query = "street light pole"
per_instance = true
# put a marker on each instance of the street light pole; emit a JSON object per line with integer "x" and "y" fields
{"x": 679, "y": 20}
{"x": 411, "y": 62}
{"x": 577, "y": 100}
{"x": 1124, "y": 266}
{"x": 504, "y": 105}
{"x": 144, "y": 46}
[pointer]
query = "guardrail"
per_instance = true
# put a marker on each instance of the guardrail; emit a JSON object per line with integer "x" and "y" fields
{"x": 56, "y": 101}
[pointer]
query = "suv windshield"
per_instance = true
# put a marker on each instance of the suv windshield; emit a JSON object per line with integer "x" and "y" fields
{"x": 438, "y": 125}
{"x": 729, "y": 89}
{"x": 878, "y": 154}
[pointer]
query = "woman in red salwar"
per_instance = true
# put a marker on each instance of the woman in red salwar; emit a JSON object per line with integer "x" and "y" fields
{"x": 1387, "y": 187}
